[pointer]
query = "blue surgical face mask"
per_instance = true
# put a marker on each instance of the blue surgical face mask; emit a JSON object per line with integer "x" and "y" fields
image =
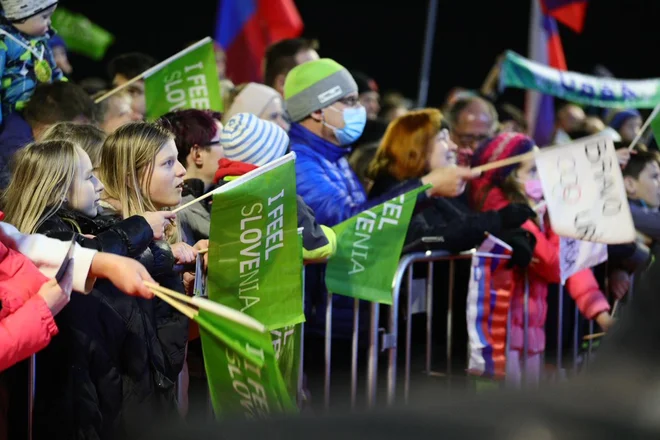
{"x": 355, "y": 119}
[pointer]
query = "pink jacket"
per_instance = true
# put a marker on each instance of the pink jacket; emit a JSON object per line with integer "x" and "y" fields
{"x": 543, "y": 270}
{"x": 26, "y": 323}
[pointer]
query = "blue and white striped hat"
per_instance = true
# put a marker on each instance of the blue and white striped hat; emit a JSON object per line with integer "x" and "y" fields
{"x": 246, "y": 138}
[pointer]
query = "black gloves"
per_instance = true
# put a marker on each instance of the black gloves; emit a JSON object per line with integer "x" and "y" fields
{"x": 522, "y": 242}
{"x": 514, "y": 215}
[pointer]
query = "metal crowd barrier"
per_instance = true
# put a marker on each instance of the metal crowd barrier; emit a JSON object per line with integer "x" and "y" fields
{"x": 405, "y": 271}
{"x": 390, "y": 338}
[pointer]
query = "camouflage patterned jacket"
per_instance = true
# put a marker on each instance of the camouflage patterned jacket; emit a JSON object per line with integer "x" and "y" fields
{"x": 20, "y": 68}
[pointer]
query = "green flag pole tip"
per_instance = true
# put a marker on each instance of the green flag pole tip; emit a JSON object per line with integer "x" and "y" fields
{"x": 176, "y": 56}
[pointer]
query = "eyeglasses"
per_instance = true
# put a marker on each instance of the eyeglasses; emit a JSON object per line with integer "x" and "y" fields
{"x": 470, "y": 139}
{"x": 350, "y": 101}
{"x": 443, "y": 135}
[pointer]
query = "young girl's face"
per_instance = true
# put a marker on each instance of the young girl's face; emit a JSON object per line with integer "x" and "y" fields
{"x": 85, "y": 193}
{"x": 36, "y": 25}
{"x": 528, "y": 179}
{"x": 166, "y": 178}
{"x": 527, "y": 171}
{"x": 274, "y": 112}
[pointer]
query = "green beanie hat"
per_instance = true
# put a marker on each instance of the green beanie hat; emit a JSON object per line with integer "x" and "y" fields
{"x": 315, "y": 85}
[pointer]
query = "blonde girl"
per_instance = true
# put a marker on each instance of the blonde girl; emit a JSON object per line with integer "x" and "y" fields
{"x": 140, "y": 171}
{"x": 116, "y": 345}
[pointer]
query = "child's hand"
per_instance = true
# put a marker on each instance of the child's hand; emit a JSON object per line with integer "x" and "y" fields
{"x": 619, "y": 283}
{"x": 184, "y": 253}
{"x": 189, "y": 283}
{"x": 623, "y": 154}
{"x": 55, "y": 295}
{"x": 126, "y": 274}
{"x": 158, "y": 221}
{"x": 605, "y": 321}
{"x": 203, "y": 245}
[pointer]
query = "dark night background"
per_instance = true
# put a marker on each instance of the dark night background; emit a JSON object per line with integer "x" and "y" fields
{"x": 386, "y": 41}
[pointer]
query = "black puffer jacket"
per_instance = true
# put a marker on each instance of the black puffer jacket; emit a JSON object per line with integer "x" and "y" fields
{"x": 449, "y": 220}
{"x": 111, "y": 371}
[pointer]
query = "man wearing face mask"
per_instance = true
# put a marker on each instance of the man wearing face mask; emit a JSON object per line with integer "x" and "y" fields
{"x": 327, "y": 118}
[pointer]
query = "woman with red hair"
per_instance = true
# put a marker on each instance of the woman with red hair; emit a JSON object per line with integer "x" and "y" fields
{"x": 417, "y": 143}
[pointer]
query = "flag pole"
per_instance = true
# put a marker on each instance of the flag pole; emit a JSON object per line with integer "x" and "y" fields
{"x": 641, "y": 131}
{"x": 153, "y": 69}
{"x": 431, "y": 16}
{"x": 504, "y": 162}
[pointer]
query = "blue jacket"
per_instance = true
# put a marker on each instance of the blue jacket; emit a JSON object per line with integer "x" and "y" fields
{"x": 15, "y": 133}
{"x": 326, "y": 182}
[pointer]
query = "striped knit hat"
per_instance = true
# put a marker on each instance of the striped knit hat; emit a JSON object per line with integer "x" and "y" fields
{"x": 500, "y": 147}
{"x": 16, "y": 10}
{"x": 315, "y": 85}
{"x": 246, "y": 138}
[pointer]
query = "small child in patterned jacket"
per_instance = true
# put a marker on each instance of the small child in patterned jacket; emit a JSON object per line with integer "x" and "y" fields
{"x": 26, "y": 58}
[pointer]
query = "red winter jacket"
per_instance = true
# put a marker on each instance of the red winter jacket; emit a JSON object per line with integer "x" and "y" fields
{"x": 26, "y": 323}
{"x": 543, "y": 270}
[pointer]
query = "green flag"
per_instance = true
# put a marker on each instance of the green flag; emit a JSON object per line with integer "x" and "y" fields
{"x": 254, "y": 253}
{"x": 286, "y": 343}
{"x": 655, "y": 128}
{"x": 244, "y": 378}
{"x": 186, "y": 80}
{"x": 80, "y": 34}
{"x": 368, "y": 250}
{"x": 519, "y": 72}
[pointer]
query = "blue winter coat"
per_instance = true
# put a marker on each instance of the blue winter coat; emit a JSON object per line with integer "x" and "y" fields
{"x": 326, "y": 182}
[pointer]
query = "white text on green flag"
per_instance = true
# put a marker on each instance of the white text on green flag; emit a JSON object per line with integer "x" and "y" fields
{"x": 187, "y": 80}
{"x": 255, "y": 258}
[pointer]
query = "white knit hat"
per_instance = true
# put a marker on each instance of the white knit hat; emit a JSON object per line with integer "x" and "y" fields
{"x": 246, "y": 138}
{"x": 15, "y": 10}
{"x": 254, "y": 98}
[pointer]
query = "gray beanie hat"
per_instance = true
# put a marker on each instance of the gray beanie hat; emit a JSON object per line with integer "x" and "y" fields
{"x": 315, "y": 85}
{"x": 16, "y": 10}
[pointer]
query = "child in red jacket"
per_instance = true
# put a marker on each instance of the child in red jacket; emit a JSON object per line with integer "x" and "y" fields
{"x": 519, "y": 183}
{"x": 28, "y": 300}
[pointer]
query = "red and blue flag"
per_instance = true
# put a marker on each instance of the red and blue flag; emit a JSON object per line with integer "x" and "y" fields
{"x": 487, "y": 311}
{"x": 245, "y": 29}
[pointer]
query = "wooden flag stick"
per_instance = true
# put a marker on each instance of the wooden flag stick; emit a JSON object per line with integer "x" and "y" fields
{"x": 182, "y": 308}
{"x": 504, "y": 162}
{"x": 164, "y": 290}
{"x": 192, "y": 202}
{"x": 208, "y": 306}
{"x": 153, "y": 69}
{"x": 641, "y": 131}
{"x": 203, "y": 251}
{"x": 594, "y": 336}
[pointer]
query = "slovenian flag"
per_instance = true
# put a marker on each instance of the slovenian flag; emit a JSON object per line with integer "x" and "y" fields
{"x": 487, "y": 311}
{"x": 545, "y": 48}
{"x": 245, "y": 29}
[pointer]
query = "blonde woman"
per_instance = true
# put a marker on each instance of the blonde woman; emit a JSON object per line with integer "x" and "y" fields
{"x": 123, "y": 349}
